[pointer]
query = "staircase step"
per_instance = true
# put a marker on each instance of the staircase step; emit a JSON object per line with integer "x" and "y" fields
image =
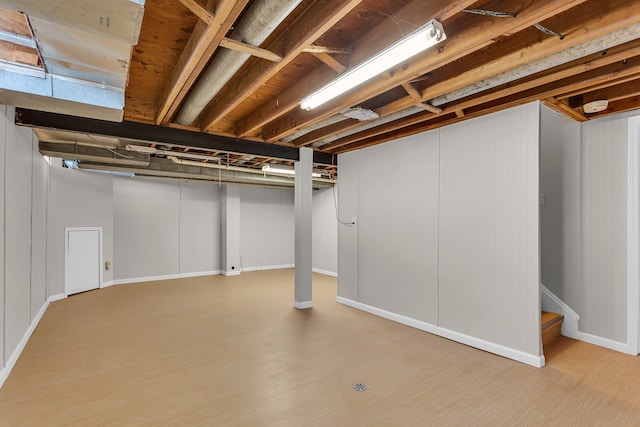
{"x": 551, "y": 326}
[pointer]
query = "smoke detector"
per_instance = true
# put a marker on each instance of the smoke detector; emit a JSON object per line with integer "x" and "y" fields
{"x": 595, "y": 106}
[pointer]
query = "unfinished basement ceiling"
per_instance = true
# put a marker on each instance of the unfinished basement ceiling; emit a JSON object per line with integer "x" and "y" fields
{"x": 238, "y": 70}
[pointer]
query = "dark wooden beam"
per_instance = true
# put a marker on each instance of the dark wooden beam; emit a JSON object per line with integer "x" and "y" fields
{"x": 159, "y": 134}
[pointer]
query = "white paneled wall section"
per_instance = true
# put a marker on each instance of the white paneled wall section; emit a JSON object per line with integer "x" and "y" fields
{"x": 23, "y": 207}
{"x": 450, "y": 246}
{"x": 325, "y": 231}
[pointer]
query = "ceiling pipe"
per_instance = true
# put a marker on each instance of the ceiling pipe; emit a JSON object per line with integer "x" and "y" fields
{"x": 163, "y": 168}
{"x": 262, "y": 18}
{"x": 184, "y": 162}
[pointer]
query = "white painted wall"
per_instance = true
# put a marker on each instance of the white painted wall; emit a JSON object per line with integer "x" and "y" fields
{"x": 560, "y": 223}
{"x": 76, "y": 199}
{"x": 39, "y": 189}
{"x": 165, "y": 228}
{"x": 452, "y": 243}
{"x": 266, "y": 227}
{"x": 199, "y": 227}
{"x": 18, "y": 170}
{"x": 146, "y": 228}
{"x": 489, "y": 232}
{"x": 325, "y": 231}
{"x": 603, "y": 308}
{"x": 4, "y": 123}
{"x": 23, "y": 186}
{"x": 398, "y": 227}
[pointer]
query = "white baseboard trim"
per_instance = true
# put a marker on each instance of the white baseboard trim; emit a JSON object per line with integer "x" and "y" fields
{"x": 550, "y": 302}
{"x": 325, "y": 272}
{"x": 57, "y": 297}
{"x": 11, "y": 362}
{"x": 606, "y": 343}
{"x": 510, "y": 353}
{"x": 303, "y": 305}
{"x": 267, "y": 267}
{"x": 156, "y": 278}
{"x": 230, "y": 273}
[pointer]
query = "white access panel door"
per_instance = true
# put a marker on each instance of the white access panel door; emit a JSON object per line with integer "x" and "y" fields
{"x": 82, "y": 272}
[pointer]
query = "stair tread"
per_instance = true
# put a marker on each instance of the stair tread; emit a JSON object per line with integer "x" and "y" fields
{"x": 548, "y": 319}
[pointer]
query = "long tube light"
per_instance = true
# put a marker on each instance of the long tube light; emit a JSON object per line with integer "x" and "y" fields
{"x": 417, "y": 41}
{"x": 280, "y": 169}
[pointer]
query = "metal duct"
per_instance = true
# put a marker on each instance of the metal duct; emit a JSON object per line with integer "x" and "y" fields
{"x": 106, "y": 155}
{"x": 262, "y": 18}
{"x": 164, "y": 168}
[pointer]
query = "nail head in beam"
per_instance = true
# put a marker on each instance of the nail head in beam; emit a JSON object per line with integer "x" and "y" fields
{"x": 159, "y": 134}
{"x": 200, "y": 11}
{"x": 250, "y": 49}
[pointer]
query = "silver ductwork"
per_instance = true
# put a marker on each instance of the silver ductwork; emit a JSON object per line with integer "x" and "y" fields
{"x": 262, "y": 18}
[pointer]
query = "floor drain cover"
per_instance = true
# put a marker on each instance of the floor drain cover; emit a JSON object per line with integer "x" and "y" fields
{"x": 359, "y": 387}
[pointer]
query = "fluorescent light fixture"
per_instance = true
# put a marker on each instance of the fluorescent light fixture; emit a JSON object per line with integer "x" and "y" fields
{"x": 415, "y": 42}
{"x": 285, "y": 170}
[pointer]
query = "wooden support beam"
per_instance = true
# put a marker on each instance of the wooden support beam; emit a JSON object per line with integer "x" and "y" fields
{"x": 412, "y": 15}
{"x": 459, "y": 113}
{"x": 411, "y": 91}
{"x": 325, "y": 49}
{"x": 239, "y": 46}
{"x": 616, "y": 54}
{"x": 318, "y": 134}
{"x": 319, "y": 17}
{"x": 594, "y": 21}
{"x": 201, "y": 12}
{"x": 430, "y": 108}
{"x": 201, "y": 45}
{"x": 331, "y": 62}
{"x": 613, "y": 93}
{"x": 621, "y": 105}
{"x": 550, "y": 84}
{"x": 465, "y": 38}
{"x": 564, "y": 109}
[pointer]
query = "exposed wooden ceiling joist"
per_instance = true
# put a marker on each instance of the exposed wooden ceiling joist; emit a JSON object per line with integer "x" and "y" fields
{"x": 465, "y": 39}
{"x": 487, "y": 63}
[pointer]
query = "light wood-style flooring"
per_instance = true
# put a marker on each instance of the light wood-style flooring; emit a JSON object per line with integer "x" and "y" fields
{"x": 216, "y": 351}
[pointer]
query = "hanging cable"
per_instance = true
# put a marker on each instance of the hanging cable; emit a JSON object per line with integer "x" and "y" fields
{"x": 335, "y": 198}
{"x": 491, "y": 13}
{"x": 549, "y": 31}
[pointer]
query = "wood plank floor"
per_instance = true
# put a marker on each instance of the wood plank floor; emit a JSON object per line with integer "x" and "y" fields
{"x": 232, "y": 351}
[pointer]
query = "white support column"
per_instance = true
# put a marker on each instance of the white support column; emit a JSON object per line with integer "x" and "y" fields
{"x": 303, "y": 244}
{"x": 230, "y": 230}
